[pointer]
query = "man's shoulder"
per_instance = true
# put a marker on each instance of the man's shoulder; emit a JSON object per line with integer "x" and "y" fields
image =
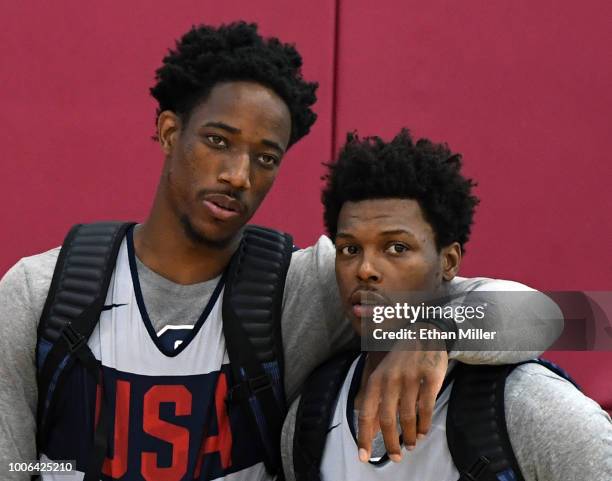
{"x": 464, "y": 284}
{"x": 42, "y": 262}
{"x": 29, "y": 279}
{"x": 313, "y": 265}
{"x": 534, "y": 391}
{"x": 555, "y": 430}
{"x": 324, "y": 247}
{"x": 37, "y": 268}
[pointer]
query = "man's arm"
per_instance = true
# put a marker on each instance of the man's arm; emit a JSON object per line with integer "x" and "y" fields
{"x": 286, "y": 443}
{"x": 556, "y": 432}
{"x": 313, "y": 323}
{"x": 526, "y": 322}
{"x": 517, "y": 312}
{"x": 22, "y": 294}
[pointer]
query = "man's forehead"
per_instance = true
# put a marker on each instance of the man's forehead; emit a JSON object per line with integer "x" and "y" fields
{"x": 246, "y": 106}
{"x": 233, "y": 97}
{"x": 383, "y": 212}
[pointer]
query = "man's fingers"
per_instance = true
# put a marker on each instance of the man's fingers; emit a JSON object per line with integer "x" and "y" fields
{"x": 427, "y": 400}
{"x": 368, "y": 414}
{"x": 407, "y": 414}
{"x": 401, "y": 380}
{"x": 388, "y": 414}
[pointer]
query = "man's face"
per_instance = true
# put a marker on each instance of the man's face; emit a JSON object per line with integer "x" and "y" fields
{"x": 221, "y": 164}
{"x": 383, "y": 247}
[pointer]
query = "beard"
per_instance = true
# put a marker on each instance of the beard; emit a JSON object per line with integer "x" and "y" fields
{"x": 198, "y": 237}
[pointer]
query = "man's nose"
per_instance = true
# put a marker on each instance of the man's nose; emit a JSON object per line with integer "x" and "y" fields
{"x": 237, "y": 171}
{"x": 367, "y": 271}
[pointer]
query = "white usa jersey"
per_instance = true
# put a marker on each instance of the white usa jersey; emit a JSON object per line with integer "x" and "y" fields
{"x": 165, "y": 393}
{"x": 429, "y": 461}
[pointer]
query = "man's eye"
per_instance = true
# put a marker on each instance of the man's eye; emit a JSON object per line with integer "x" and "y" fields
{"x": 216, "y": 140}
{"x": 397, "y": 248}
{"x": 267, "y": 160}
{"x": 349, "y": 250}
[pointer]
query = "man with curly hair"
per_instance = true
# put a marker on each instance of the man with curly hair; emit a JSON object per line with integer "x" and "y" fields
{"x": 400, "y": 214}
{"x": 230, "y": 105}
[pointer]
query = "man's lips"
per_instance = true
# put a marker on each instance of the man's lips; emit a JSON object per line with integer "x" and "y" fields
{"x": 363, "y": 302}
{"x": 222, "y": 206}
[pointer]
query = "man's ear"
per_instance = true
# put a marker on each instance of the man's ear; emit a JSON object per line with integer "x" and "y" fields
{"x": 451, "y": 260}
{"x": 168, "y": 129}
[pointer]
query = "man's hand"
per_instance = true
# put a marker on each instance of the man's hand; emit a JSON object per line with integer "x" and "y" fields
{"x": 404, "y": 382}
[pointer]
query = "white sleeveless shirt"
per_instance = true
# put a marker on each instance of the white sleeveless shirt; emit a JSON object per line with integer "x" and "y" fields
{"x": 429, "y": 461}
{"x": 166, "y": 394}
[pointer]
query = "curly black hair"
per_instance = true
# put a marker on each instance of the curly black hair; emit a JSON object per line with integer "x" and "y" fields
{"x": 206, "y": 55}
{"x": 429, "y": 173}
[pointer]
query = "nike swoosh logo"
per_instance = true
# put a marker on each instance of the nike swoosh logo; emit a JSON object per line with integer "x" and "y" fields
{"x": 108, "y": 308}
{"x": 333, "y": 427}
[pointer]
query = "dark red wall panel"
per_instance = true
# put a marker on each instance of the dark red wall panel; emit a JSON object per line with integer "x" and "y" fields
{"x": 77, "y": 118}
{"x": 522, "y": 89}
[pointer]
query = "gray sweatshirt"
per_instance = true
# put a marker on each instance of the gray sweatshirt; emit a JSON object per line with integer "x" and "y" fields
{"x": 313, "y": 327}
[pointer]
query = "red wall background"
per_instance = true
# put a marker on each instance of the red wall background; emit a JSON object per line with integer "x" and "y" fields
{"x": 521, "y": 88}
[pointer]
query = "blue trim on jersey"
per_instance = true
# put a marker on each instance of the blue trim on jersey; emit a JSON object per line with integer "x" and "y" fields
{"x": 143, "y": 310}
{"x": 353, "y": 390}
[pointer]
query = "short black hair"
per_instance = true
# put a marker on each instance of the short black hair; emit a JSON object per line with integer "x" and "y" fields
{"x": 429, "y": 173}
{"x": 206, "y": 55}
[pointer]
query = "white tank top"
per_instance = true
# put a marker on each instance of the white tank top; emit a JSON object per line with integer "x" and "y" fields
{"x": 429, "y": 461}
{"x": 166, "y": 393}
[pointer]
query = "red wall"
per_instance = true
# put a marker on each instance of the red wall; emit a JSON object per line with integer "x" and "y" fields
{"x": 521, "y": 88}
{"x": 77, "y": 117}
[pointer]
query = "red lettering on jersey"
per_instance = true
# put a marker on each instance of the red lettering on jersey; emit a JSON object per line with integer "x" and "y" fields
{"x": 117, "y": 466}
{"x": 178, "y": 436}
{"x": 98, "y": 403}
{"x": 222, "y": 442}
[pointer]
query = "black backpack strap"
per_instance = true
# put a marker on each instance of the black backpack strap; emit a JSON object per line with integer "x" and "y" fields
{"x": 252, "y": 307}
{"x": 476, "y": 428}
{"x": 76, "y": 296}
{"x": 314, "y": 414}
{"x": 476, "y": 425}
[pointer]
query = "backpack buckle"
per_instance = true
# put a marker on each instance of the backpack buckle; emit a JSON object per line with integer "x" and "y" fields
{"x": 74, "y": 339}
{"x": 247, "y": 387}
{"x": 259, "y": 383}
{"x": 476, "y": 470}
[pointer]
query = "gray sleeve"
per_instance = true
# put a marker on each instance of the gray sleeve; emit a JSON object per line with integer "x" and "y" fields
{"x": 526, "y": 322}
{"x": 22, "y": 295}
{"x": 313, "y": 324}
{"x": 557, "y": 433}
{"x": 287, "y": 440}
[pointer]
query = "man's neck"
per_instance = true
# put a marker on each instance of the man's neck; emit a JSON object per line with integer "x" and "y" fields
{"x": 163, "y": 246}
